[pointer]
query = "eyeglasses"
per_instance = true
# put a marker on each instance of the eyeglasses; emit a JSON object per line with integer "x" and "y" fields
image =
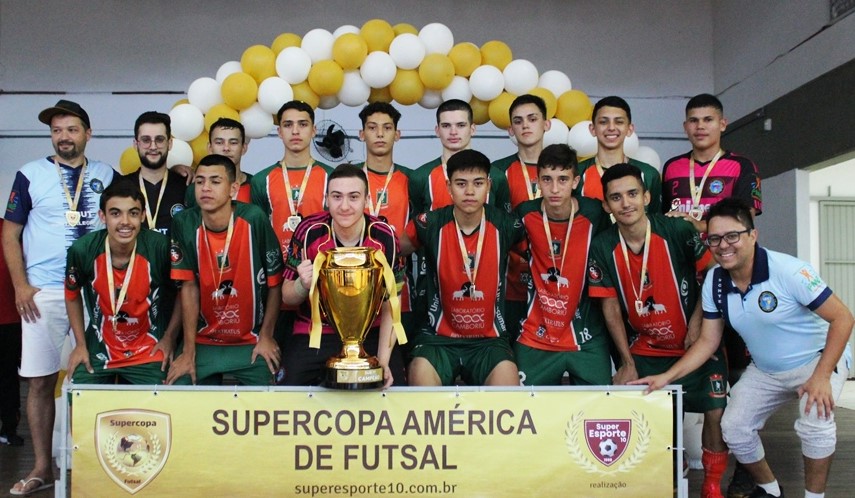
{"x": 158, "y": 140}
{"x": 729, "y": 237}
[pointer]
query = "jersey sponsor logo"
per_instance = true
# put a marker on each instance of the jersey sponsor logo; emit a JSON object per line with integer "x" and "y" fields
{"x": 650, "y": 306}
{"x": 96, "y": 185}
{"x": 133, "y": 446}
{"x": 226, "y": 289}
{"x": 717, "y": 389}
{"x": 271, "y": 257}
{"x": 552, "y": 305}
{"x": 684, "y": 288}
{"x": 261, "y": 277}
{"x": 553, "y": 275}
{"x": 422, "y": 218}
{"x": 175, "y": 209}
{"x": 811, "y": 279}
{"x": 595, "y": 274}
{"x": 175, "y": 255}
{"x": 71, "y": 278}
{"x": 468, "y": 291}
{"x": 12, "y": 205}
{"x": 767, "y": 302}
{"x": 716, "y": 187}
{"x": 467, "y": 321}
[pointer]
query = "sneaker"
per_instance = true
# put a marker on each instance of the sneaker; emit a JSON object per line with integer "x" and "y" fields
{"x": 741, "y": 484}
{"x": 11, "y": 440}
{"x": 762, "y": 493}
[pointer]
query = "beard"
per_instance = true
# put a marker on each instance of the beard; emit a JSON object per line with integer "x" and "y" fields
{"x": 67, "y": 154}
{"x": 152, "y": 165}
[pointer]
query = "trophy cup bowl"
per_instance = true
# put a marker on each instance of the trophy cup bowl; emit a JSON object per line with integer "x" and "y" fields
{"x": 350, "y": 286}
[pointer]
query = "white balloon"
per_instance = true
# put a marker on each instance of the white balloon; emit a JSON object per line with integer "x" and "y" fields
{"x": 227, "y": 69}
{"x": 347, "y": 28}
{"x": 458, "y": 89}
{"x": 431, "y": 99}
{"x": 187, "y": 121}
{"x": 437, "y": 38}
{"x": 256, "y": 121}
{"x": 520, "y": 77}
{"x": 557, "y": 133}
{"x": 273, "y": 92}
{"x": 630, "y": 145}
{"x": 204, "y": 93}
{"x": 555, "y": 81}
{"x": 647, "y": 155}
{"x": 354, "y": 91}
{"x": 318, "y": 43}
{"x": 378, "y": 69}
{"x": 407, "y": 50}
{"x": 180, "y": 153}
{"x": 328, "y": 102}
{"x": 293, "y": 65}
{"x": 486, "y": 83}
{"x": 581, "y": 140}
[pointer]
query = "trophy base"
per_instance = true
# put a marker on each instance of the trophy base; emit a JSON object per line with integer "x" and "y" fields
{"x": 354, "y": 379}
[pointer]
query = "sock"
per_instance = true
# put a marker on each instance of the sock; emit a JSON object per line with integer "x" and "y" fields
{"x": 808, "y": 494}
{"x": 715, "y": 463}
{"x": 772, "y": 488}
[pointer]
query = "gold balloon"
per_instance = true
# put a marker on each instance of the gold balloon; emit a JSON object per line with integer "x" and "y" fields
{"x": 466, "y": 58}
{"x": 403, "y": 27}
{"x": 129, "y": 161}
{"x": 200, "y": 147}
{"x": 284, "y": 41}
{"x": 179, "y": 102}
{"x": 220, "y": 111}
{"x": 498, "y": 110}
{"x": 496, "y": 53}
{"x": 407, "y": 88}
{"x": 436, "y": 71}
{"x": 349, "y": 50}
{"x": 380, "y": 95}
{"x": 259, "y": 61}
{"x": 326, "y": 77}
{"x": 304, "y": 93}
{"x": 573, "y": 106}
{"x": 239, "y": 90}
{"x": 549, "y": 98}
{"x": 378, "y": 34}
{"x": 480, "y": 111}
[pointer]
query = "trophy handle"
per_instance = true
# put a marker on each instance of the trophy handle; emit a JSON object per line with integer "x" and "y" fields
{"x": 391, "y": 229}
{"x": 391, "y": 285}
{"x": 309, "y": 230}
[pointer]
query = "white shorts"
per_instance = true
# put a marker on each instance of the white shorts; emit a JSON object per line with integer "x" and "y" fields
{"x": 42, "y": 341}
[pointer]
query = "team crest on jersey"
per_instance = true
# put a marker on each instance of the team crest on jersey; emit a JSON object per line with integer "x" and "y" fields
{"x": 133, "y": 446}
{"x": 717, "y": 388}
{"x": 767, "y": 302}
{"x": 175, "y": 255}
{"x": 468, "y": 291}
{"x": 96, "y": 185}
{"x": 422, "y": 218}
{"x": 382, "y": 198}
{"x": 71, "y": 278}
{"x": 595, "y": 274}
{"x": 295, "y": 193}
{"x": 175, "y": 209}
{"x": 716, "y": 187}
{"x": 556, "y": 247}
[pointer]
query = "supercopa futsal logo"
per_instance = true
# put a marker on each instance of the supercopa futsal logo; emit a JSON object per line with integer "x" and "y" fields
{"x": 133, "y": 446}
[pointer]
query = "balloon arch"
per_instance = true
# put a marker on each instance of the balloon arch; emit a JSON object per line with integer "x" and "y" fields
{"x": 377, "y": 62}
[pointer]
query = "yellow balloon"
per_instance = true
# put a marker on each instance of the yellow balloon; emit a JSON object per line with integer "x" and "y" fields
{"x": 573, "y": 106}
{"x": 378, "y": 34}
{"x": 436, "y": 71}
{"x": 179, "y": 102}
{"x": 498, "y": 110}
{"x": 407, "y": 88}
{"x": 549, "y": 98}
{"x": 220, "y": 111}
{"x": 466, "y": 58}
{"x": 349, "y": 50}
{"x": 326, "y": 77}
{"x": 380, "y": 95}
{"x": 284, "y": 41}
{"x": 200, "y": 147}
{"x": 304, "y": 93}
{"x": 259, "y": 61}
{"x": 403, "y": 27}
{"x": 239, "y": 91}
{"x": 129, "y": 161}
{"x": 496, "y": 53}
{"x": 480, "y": 111}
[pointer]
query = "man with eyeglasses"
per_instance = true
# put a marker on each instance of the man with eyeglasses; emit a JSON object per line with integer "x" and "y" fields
{"x": 645, "y": 268}
{"x": 797, "y": 332}
{"x": 162, "y": 188}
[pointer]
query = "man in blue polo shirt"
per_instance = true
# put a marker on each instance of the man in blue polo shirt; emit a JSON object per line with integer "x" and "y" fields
{"x": 797, "y": 332}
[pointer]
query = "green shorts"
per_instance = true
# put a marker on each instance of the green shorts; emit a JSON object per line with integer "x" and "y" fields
{"x": 213, "y": 361}
{"x": 471, "y": 359}
{"x": 143, "y": 374}
{"x": 703, "y": 390}
{"x": 588, "y": 367}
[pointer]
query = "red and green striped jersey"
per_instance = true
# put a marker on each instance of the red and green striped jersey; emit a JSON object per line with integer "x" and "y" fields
{"x": 591, "y": 184}
{"x": 429, "y": 190}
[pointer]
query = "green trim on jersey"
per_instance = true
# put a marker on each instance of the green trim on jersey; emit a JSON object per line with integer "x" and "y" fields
{"x": 650, "y": 175}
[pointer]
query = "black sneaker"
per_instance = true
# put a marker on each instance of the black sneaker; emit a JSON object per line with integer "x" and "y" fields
{"x": 11, "y": 440}
{"x": 741, "y": 484}
{"x": 762, "y": 493}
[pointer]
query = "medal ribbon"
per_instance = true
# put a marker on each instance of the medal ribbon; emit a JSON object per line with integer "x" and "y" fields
{"x": 643, "y": 265}
{"x": 697, "y": 191}
{"x": 566, "y": 237}
{"x": 472, "y": 274}
{"x": 371, "y": 210}
{"x": 72, "y": 205}
{"x": 222, "y": 264}
{"x": 292, "y": 204}
{"x": 152, "y": 219}
{"x": 531, "y": 195}
{"x": 111, "y": 283}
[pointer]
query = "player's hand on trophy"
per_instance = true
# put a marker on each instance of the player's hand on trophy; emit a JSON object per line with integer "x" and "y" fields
{"x": 305, "y": 270}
